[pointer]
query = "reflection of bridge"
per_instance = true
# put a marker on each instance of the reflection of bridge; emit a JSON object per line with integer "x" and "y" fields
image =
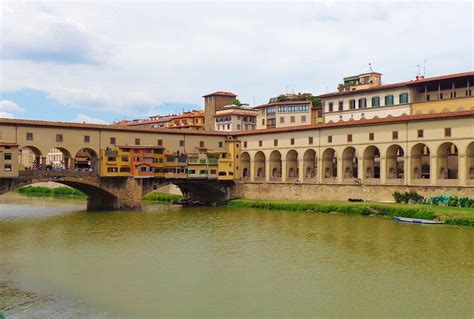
{"x": 106, "y": 193}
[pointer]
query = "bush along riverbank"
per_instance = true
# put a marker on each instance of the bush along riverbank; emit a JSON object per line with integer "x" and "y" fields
{"x": 463, "y": 217}
{"x": 41, "y": 191}
{"x": 161, "y": 197}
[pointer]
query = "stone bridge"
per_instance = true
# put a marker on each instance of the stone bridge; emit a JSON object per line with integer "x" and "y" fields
{"x": 123, "y": 193}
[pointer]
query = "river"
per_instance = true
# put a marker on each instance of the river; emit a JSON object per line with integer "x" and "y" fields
{"x": 59, "y": 261}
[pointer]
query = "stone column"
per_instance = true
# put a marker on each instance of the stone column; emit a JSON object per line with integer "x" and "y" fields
{"x": 433, "y": 170}
{"x": 360, "y": 169}
{"x": 66, "y": 163}
{"x": 407, "y": 170}
{"x": 383, "y": 170}
{"x": 73, "y": 164}
{"x": 339, "y": 170}
{"x": 283, "y": 170}
{"x": 301, "y": 170}
{"x": 267, "y": 170}
{"x": 43, "y": 163}
{"x": 462, "y": 169}
{"x": 252, "y": 170}
{"x": 319, "y": 173}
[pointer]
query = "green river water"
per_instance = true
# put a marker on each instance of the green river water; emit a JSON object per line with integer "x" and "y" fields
{"x": 59, "y": 261}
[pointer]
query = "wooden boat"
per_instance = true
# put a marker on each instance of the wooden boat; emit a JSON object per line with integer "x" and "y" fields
{"x": 417, "y": 221}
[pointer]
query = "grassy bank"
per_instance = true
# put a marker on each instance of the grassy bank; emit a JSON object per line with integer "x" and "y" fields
{"x": 451, "y": 215}
{"x": 41, "y": 191}
{"x": 161, "y": 197}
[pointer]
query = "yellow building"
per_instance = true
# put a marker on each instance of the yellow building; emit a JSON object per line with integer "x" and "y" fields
{"x": 8, "y": 159}
{"x": 193, "y": 120}
{"x": 229, "y": 163}
{"x": 176, "y": 165}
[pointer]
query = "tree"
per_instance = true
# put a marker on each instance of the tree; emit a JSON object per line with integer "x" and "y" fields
{"x": 236, "y": 102}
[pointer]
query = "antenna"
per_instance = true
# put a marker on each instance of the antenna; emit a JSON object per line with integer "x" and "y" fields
{"x": 370, "y": 67}
{"x": 419, "y": 70}
{"x": 424, "y": 67}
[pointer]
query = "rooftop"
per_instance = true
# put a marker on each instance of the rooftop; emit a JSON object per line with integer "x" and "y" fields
{"x": 282, "y": 103}
{"x": 420, "y": 80}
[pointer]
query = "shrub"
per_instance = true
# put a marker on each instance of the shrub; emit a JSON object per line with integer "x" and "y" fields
{"x": 460, "y": 222}
{"x": 411, "y": 197}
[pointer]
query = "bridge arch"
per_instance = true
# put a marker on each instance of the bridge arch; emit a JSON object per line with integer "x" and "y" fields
{"x": 86, "y": 159}
{"x": 260, "y": 166}
{"x": 30, "y": 158}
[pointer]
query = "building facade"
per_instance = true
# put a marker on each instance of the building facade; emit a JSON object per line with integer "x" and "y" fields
{"x": 214, "y": 102}
{"x": 233, "y": 118}
{"x": 283, "y": 114}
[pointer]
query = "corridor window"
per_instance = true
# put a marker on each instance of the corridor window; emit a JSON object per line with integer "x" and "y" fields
{"x": 275, "y": 142}
{"x": 245, "y": 144}
{"x": 395, "y": 135}
{"x": 87, "y": 139}
{"x": 113, "y": 141}
{"x": 371, "y": 136}
{"x": 420, "y": 133}
{"x": 159, "y": 142}
{"x": 59, "y": 137}
{"x": 29, "y": 136}
{"x": 310, "y": 140}
{"x": 137, "y": 141}
{"x": 292, "y": 141}
{"x": 349, "y": 137}
{"x": 330, "y": 139}
{"x": 201, "y": 143}
{"x": 447, "y": 132}
{"x": 221, "y": 144}
{"x": 181, "y": 143}
{"x": 260, "y": 143}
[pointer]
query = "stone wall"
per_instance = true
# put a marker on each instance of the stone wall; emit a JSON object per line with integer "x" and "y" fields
{"x": 298, "y": 191}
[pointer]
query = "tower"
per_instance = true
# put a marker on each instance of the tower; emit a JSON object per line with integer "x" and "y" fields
{"x": 214, "y": 102}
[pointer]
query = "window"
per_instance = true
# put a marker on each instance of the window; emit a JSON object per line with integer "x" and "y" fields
{"x": 292, "y": 141}
{"x": 245, "y": 144}
{"x": 310, "y": 140}
{"x": 362, "y": 103}
{"x": 330, "y": 139}
{"x": 420, "y": 133}
{"x": 371, "y": 136}
{"x": 238, "y": 126}
{"x": 341, "y": 105}
{"x": 111, "y": 159}
{"x": 352, "y": 104}
{"x": 376, "y": 101}
{"x": 282, "y": 120}
{"x": 349, "y": 137}
{"x": 124, "y": 158}
{"x": 7, "y": 168}
{"x": 263, "y": 121}
{"x": 201, "y": 143}
{"x": 260, "y": 143}
{"x": 330, "y": 107}
{"x": 221, "y": 144}
{"x": 292, "y": 119}
{"x": 468, "y": 92}
{"x": 440, "y": 96}
{"x": 447, "y": 132}
{"x": 87, "y": 139}
{"x": 427, "y": 97}
{"x": 275, "y": 142}
{"x": 59, "y": 137}
{"x": 137, "y": 141}
{"x": 281, "y": 109}
{"x": 8, "y": 157}
{"x": 125, "y": 169}
{"x": 112, "y": 141}
{"x": 303, "y": 119}
{"x": 395, "y": 135}
{"x": 159, "y": 142}
{"x": 388, "y": 100}
{"x": 29, "y": 136}
{"x": 403, "y": 98}
{"x": 453, "y": 94}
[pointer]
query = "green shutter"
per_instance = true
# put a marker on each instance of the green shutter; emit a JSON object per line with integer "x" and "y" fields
{"x": 386, "y": 100}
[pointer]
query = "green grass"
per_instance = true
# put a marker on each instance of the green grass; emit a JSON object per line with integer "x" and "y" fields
{"x": 161, "y": 197}
{"x": 41, "y": 191}
{"x": 451, "y": 215}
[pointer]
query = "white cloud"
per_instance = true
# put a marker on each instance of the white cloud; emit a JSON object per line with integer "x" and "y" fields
{"x": 6, "y": 115}
{"x": 10, "y": 107}
{"x": 128, "y": 58}
{"x": 82, "y": 118}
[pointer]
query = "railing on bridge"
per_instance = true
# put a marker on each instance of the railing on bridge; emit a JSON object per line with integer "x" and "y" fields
{"x": 56, "y": 173}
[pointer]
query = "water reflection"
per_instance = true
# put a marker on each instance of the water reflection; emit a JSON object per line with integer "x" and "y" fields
{"x": 168, "y": 261}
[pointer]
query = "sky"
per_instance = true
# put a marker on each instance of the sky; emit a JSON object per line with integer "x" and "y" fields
{"x": 104, "y": 61}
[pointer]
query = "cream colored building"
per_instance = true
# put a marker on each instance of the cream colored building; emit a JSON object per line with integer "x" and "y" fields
{"x": 283, "y": 114}
{"x": 234, "y": 118}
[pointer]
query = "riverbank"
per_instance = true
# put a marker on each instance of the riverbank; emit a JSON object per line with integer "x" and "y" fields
{"x": 41, "y": 191}
{"x": 161, "y": 197}
{"x": 450, "y": 215}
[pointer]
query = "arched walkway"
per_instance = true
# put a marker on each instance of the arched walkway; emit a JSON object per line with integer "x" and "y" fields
{"x": 371, "y": 163}
{"x": 292, "y": 165}
{"x": 350, "y": 164}
{"x": 86, "y": 159}
{"x": 310, "y": 165}
{"x": 245, "y": 162}
{"x": 395, "y": 163}
{"x": 329, "y": 165}
{"x": 420, "y": 163}
{"x": 470, "y": 164}
{"x": 58, "y": 158}
{"x": 275, "y": 166}
{"x": 30, "y": 158}
{"x": 448, "y": 161}
{"x": 259, "y": 161}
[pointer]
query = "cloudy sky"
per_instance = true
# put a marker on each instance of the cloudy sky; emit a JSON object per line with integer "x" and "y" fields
{"x": 100, "y": 61}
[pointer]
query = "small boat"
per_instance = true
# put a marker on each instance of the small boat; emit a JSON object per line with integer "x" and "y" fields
{"x": 189, "y": 203}
{"x": 417, "y": 221}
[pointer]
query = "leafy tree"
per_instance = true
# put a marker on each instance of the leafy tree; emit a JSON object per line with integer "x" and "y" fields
{"x": 236, "y": 102}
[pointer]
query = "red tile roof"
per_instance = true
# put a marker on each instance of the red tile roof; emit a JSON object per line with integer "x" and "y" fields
{"x": 400, "y": 84}
{"x": 8, "y": 144}
{"x": 387, "y": 120}
{"x": 281, "y": 103}
{"x": 221, "y": 93}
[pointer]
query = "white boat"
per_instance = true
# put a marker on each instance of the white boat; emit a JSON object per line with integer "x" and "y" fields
{"x": 418, "y": 221}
